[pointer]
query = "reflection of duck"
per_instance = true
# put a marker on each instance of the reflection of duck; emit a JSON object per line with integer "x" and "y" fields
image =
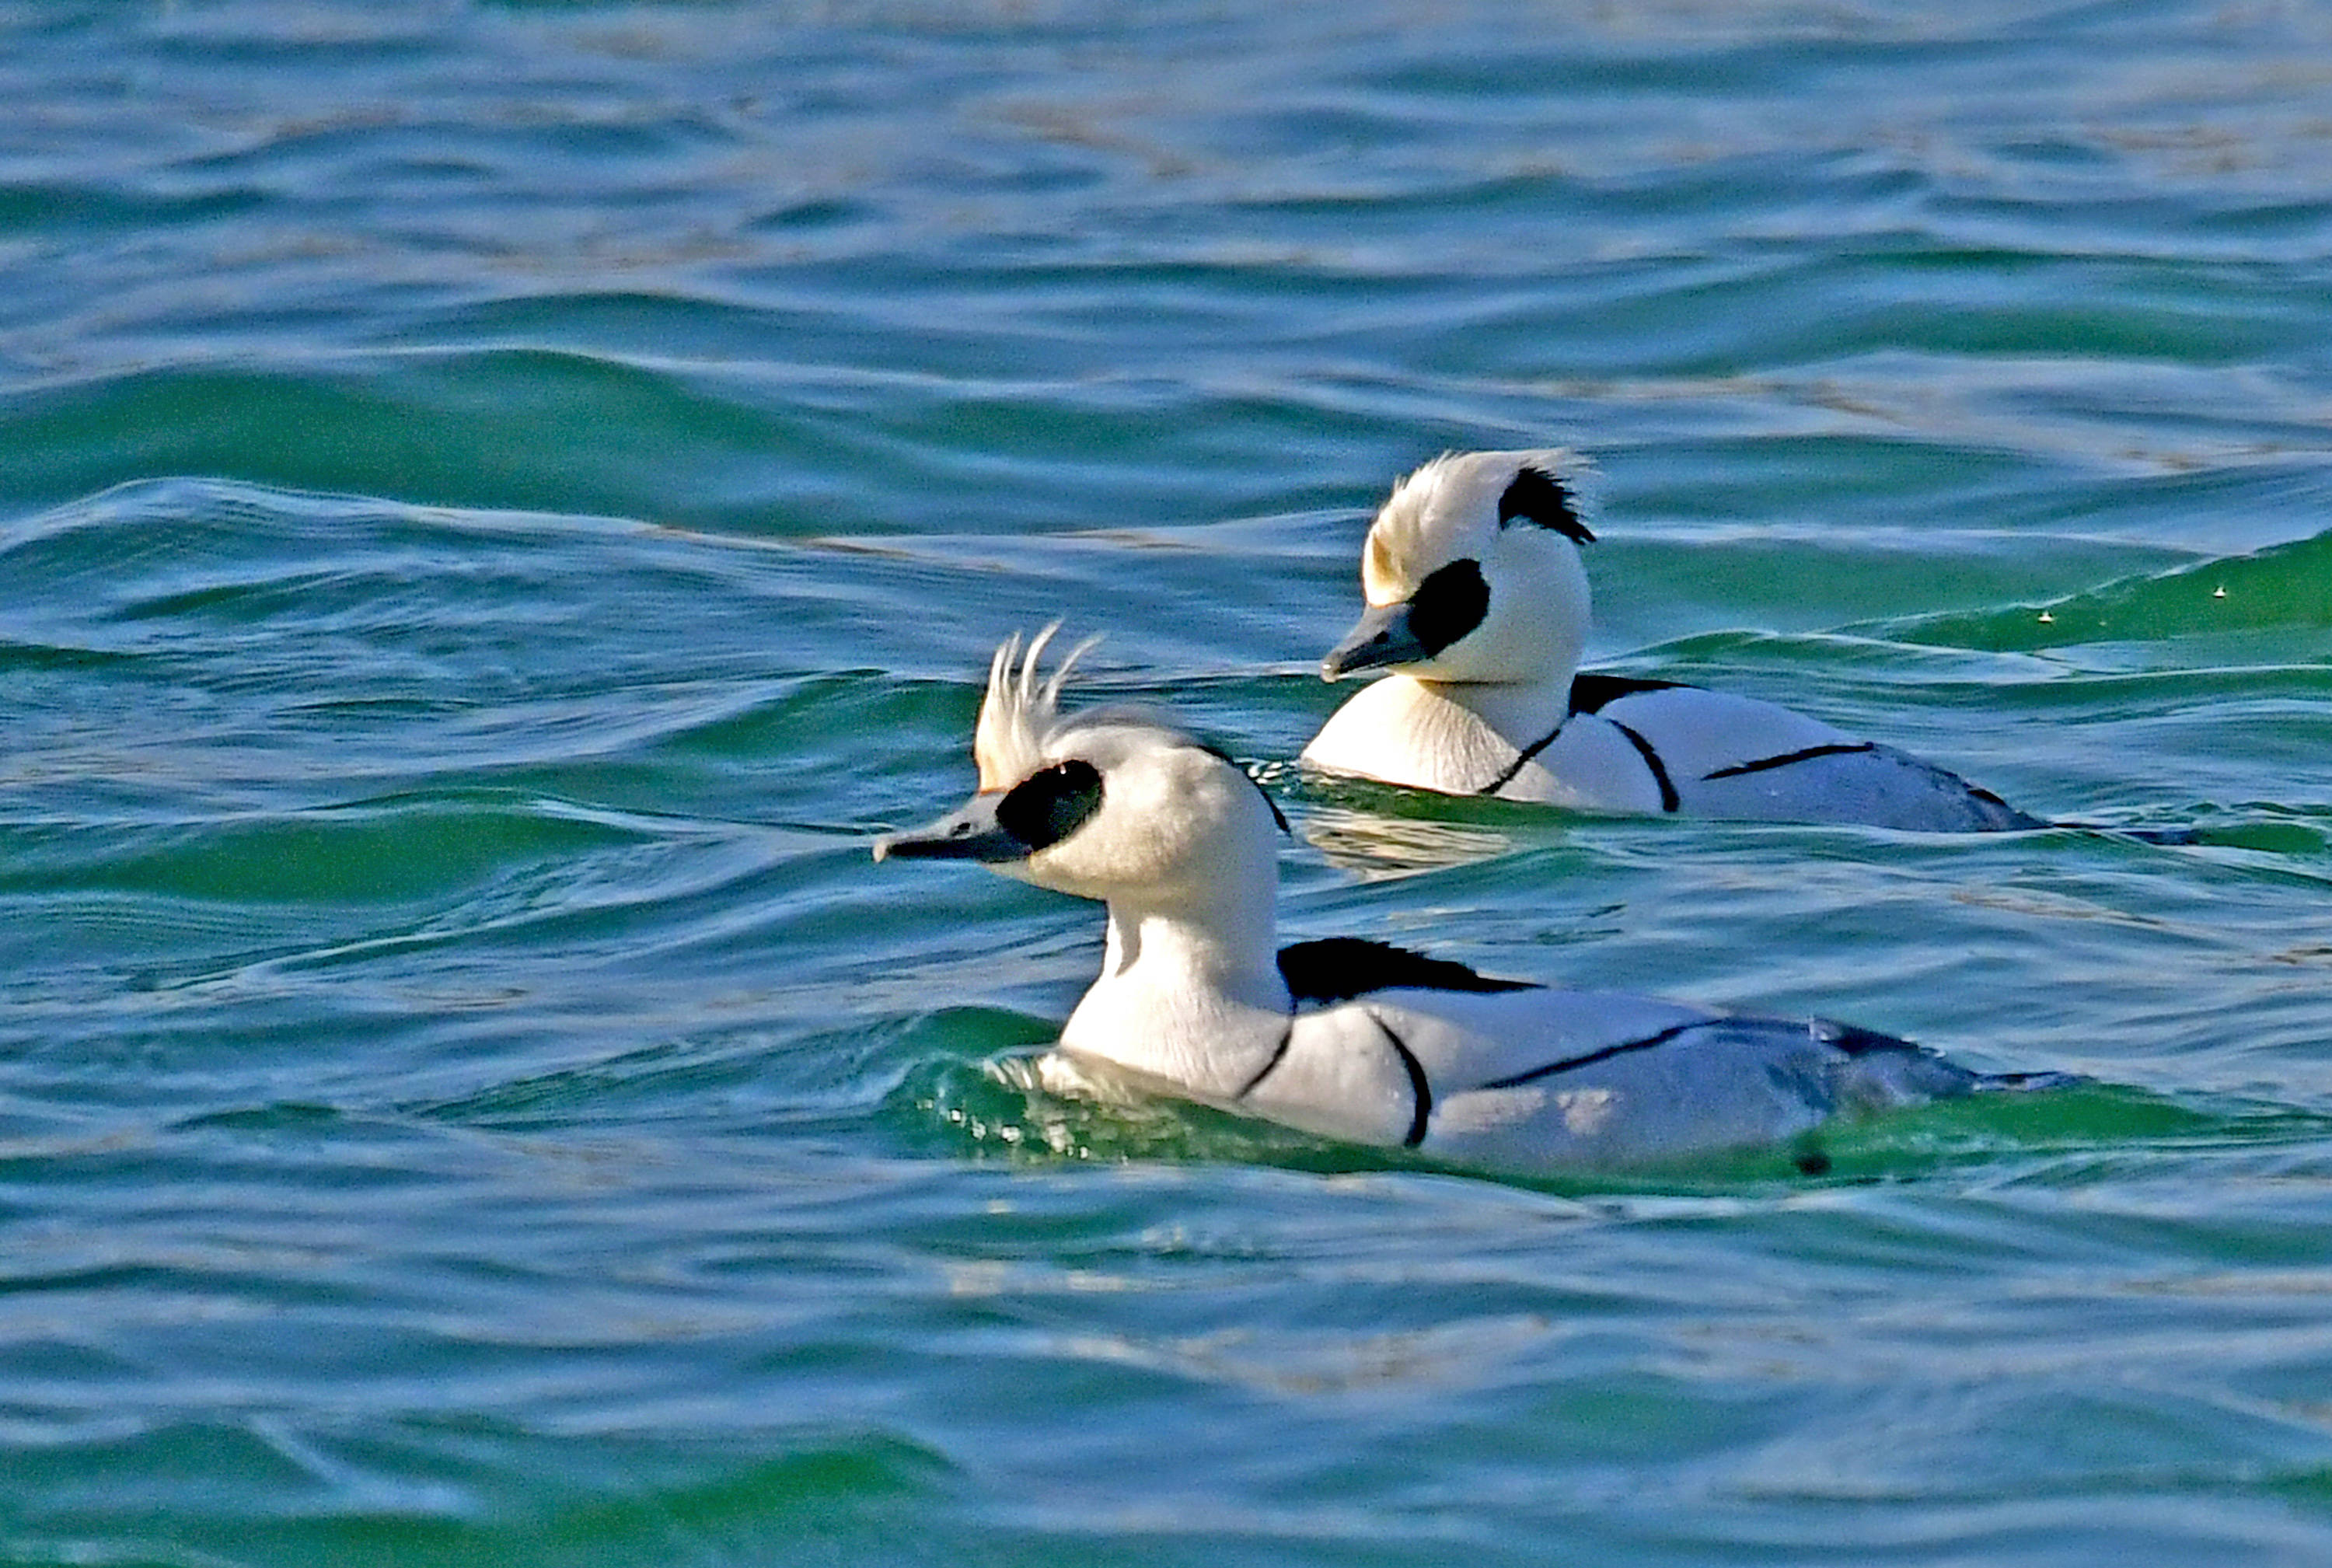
{"x": 1478, "y": 606}
{"x": 1371, "y": 845}
{"x": 1345, "y": 1038}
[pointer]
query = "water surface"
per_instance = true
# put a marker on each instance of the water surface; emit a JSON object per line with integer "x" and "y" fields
{"x": 498, "y": 503}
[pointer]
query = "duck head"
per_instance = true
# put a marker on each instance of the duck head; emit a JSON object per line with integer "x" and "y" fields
{"x": 1112, "y": 803}
{"x": 1472, "y": 573}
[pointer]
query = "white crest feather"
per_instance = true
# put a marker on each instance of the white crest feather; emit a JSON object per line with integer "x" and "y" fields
{"x": 1019, "y": 713}
{"x": 1428, "y": 512}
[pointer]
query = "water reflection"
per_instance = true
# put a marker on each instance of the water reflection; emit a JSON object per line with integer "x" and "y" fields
{"x": 1376, "y": 832}
{"x": 1376, "y": 847}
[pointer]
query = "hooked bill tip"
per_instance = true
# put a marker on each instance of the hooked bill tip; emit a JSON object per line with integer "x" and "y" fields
{"x": 881, "y": 848}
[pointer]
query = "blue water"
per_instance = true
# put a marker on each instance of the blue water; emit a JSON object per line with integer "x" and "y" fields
{"x": 500, "y": 503}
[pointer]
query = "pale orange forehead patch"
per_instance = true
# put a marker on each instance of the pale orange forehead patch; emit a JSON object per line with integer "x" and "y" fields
{"x": 1380, "y": 578}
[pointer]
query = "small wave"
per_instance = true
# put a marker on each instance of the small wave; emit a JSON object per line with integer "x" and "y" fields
{"x": 2280, "y": 588}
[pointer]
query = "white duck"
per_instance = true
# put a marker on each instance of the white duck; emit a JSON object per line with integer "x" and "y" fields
{"x": 1477, "y": 604}
{"x": 1348, "y": 1038}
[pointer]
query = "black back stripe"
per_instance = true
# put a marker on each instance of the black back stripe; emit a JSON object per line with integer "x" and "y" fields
{"x": 1420, "y": 1086}
{"x": 1668, "y": 801}
{"x": 1336, "y": 968}
{"x": 1590, "y": 690}
{"x": 1591, "y": 1057}
{"x": 1522, "y": 760}
{"x": 1278, "y": 1053}
{"x": 1766, "y": 764}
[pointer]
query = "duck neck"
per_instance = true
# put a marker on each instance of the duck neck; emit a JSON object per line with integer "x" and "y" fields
{"x": 1190, "y": 990}
{"x": 1222, "y": 950}
{"x": 1520, "y": 712}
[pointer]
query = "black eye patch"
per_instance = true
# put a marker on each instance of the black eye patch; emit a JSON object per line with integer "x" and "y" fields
{"x": 1050, "y": 804}
{"x": 1536, "y": 497}
{"x": 1449, "y": 604}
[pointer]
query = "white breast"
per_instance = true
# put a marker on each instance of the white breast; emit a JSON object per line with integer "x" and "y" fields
{"x": 1402, "y": 730}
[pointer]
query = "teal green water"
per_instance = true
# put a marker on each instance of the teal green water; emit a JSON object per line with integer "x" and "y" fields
{"x": 498, "y": 502}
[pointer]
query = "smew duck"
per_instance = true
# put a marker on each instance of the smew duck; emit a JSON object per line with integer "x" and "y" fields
{"x": 1477, "y": 604}
{"x": 1346, "y": 1037}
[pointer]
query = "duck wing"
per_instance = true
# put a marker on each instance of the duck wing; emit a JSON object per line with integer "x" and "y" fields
{"x": 1542, "y": 1078}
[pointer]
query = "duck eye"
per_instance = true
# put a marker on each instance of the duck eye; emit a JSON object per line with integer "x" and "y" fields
{"x": 1450, "y": 603}
{"x": 1050, "y": 804}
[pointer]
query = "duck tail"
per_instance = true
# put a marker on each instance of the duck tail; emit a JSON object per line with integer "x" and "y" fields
{"x": 2025, "y": 1082}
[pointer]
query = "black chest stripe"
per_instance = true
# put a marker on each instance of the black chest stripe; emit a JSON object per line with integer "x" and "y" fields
{"x": 1591, "y": 693}
{"x": 1603, "y": 1055}
{"x": 1278, "y": 1053}
{"x": 1763, "y": 764}
{"x": 1420, "y": 1086}
{"x": 1651, "y": 761}
{"x": 1522, "y": 758}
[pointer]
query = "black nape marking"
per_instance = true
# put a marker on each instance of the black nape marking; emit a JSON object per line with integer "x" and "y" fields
{"x": 1591, "y": 692}
{"x": 1810, "y": 1161}
{"x": 1538, "y": 496}
{"x": 1668, "y": 799}
{"x": 1337, "y": 969}
{"x": 1765, "y": 764}
{"x": 1222, "y": 756}
{"x": 1050, "y": 804}
{"x": 1450, "y": 603}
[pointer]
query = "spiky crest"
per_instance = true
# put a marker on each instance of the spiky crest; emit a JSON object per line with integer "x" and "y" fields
{"x": 1434, "y": 512}
{"x": 1019, "y": 713}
